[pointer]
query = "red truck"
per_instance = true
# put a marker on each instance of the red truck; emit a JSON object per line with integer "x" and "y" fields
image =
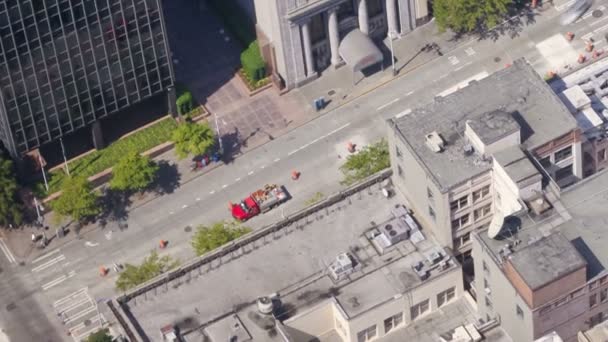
{"x": 260, "y": 201}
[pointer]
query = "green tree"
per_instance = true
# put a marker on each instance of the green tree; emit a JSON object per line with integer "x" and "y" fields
{"x": 192, "y": 138}
{"x": 371, "y": 159}
{"x": 133, "y": 172}
{"x": 102, "y": 335}
{"x": 152, "y": 266}
{"x": 469, "y": 15}
{"x": 218, "y": 234}
{"x": 10, "y": 209}
{"x": 77, "y": 200}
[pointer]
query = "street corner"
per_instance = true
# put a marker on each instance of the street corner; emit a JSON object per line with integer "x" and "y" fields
{"x": 16, "y": 245}
{"x": 557, "y": 52}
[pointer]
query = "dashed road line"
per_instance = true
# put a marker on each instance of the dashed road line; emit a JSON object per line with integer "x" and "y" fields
{"x": 250, "y": 173}
{"x": 184, "y": 206}
{"x": 198, "y": 199}
{"x": 224, "y": 186}
{"x": 319, "y": 139}
{"x": 263, "y": 167}
{"x": 211, "y": 192}
{"x": 277, "y": 159}
{"x": 388, "y": 104}
{"x": 238, "y": 179}
{"x": 7, "y": 252}
{"x": 171, "y": 213}
{"x": 410, "y": 93}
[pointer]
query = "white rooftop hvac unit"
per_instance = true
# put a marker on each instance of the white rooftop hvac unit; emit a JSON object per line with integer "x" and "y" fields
{"x": 342, "y": 266}
{"x": 434, "y": 142}
{"x": 394, "y": 232}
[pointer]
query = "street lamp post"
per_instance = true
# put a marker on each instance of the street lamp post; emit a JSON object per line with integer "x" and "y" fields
{"x": 390, "y": 38}
{"x": 65, "y": 160}
{"x": 219, "y": 136}
{"x": 46, "y": 184}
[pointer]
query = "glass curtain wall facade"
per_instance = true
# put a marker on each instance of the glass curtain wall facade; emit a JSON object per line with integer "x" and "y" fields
{"x": 64, "y": 64}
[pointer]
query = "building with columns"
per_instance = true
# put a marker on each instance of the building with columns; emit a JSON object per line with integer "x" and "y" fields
{"x": 301, "y": 38}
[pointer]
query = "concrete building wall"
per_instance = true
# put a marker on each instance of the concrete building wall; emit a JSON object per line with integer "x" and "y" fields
{"x": 402, "y": 303}
{"x": 411, "y": 179}
{"x": 502, "y": 297}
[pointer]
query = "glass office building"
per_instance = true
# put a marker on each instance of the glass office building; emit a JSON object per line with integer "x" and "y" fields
{"x": 64, "y": 64}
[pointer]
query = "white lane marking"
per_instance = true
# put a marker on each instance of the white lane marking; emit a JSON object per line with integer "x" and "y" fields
{"x": 387, "y": 104}
{"x": 263, "y": 167}
{"x": 404, "y": 113}
{"x": 410, "y": 93}
{"x": 277, "y": 159}
{"x": 184, "y": 206}
{"x": 211, "y": 192}
{"x": 7, "y": 252}
{"x": 80, "y": 314}
{"x": 319, "y": 138}
{"x": 463, "y": 84}
{"x": 91, "y": 244}
{"x": 69, "y": 297}
{"x": 587, "y": 36}
{"x": 49, "y": 263}
{"x": 224, "y": 186}
{"x": 564, "y": 6}
{"x": 73, "y": 303}
{"x": 171, "y": 213}
{"x": 453, "y": 60}
{"x": 249, "y": 173}
{"x": 198, "y": 199}
{"x": 600, "y": 29}
{"x": 469, "y": 51}
{"x": 45, "y": 256}
{"x": 598, "y": 21}
{"x": 238, "y": 179}
{"x": 58, "y": 281}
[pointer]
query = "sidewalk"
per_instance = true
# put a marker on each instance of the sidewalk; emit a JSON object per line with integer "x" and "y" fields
{"x": 337, "y": 86}
{"x": 249, "y": 122}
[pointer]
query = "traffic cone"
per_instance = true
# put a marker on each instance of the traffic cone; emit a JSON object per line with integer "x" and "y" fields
{"x": 295, "y": 175}
{"x": 581, "y": 58}
{"x": 351, "y": 147}
{"x": 103, "y": 271}
{"x": 162, "y": 244}
{"x": 589, "y": 47}
{"x": 507, "y": 65}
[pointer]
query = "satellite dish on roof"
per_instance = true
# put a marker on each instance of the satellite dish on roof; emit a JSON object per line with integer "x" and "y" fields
{"x": 496, "y": 224}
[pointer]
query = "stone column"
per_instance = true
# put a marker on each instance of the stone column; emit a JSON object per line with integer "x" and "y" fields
{"x": 363, "y": 18}
{"x": 334, "y": 37}
{"x": 391, "y": 17}
{"x": 310, "y": 66}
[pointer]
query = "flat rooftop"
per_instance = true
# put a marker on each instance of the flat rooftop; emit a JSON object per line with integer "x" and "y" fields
{"x": 545, "y": 260}
{"x": 294, "y": 264}
{"x": 579, "y": 216}
{"x": 517, "y": 90}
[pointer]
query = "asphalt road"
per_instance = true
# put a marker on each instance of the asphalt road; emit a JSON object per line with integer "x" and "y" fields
{"x": 58, "y": 292}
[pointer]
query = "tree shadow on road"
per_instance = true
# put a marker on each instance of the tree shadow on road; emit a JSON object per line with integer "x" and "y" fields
{"x": 233, "y": 145}
{"x": 167, "y": 180}
{"x": 114, "y": 207}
